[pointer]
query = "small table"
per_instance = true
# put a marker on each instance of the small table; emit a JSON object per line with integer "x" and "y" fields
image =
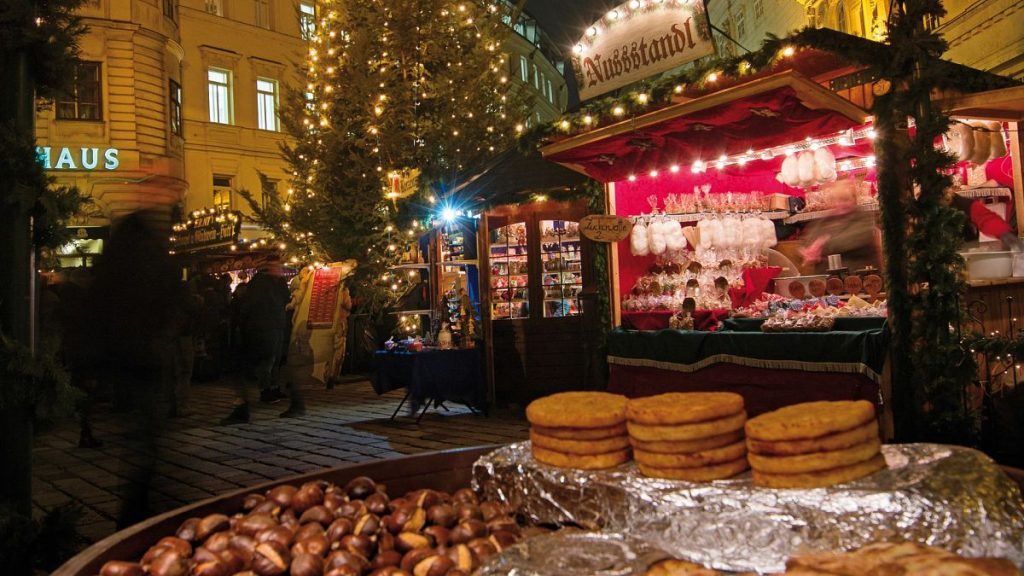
{"x": 432, "y": 377}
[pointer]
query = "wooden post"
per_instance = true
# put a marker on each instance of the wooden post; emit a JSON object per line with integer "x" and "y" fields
{"x": 613, "y": 261}
{"x": 1017, "y": 162}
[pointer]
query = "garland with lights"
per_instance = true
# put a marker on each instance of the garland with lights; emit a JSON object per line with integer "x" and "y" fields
{"x": 922, "y": 234}
{"x": 400, "y": 97}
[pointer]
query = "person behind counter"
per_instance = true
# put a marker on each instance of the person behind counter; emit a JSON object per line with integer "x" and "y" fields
{"x": 848, "y": 231}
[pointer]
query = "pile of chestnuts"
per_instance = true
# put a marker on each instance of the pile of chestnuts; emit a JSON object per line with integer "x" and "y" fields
{"x": 321, "y": 529}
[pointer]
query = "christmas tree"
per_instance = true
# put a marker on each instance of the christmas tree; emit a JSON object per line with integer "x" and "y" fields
{"x": 401, "y": 96}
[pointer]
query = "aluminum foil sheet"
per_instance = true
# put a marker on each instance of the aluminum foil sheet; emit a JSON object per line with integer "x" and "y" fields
{"x": 575, "y": 552}
{"x": 946, "y": 496}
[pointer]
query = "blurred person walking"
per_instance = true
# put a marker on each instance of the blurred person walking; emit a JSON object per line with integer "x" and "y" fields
{"x": 264, "y": 327}
{"x": 134, "y": 301}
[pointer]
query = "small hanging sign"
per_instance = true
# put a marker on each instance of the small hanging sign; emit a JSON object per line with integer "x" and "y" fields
{"x": 605, "y": 227}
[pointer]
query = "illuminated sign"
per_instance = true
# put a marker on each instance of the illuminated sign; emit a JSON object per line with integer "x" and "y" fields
{"x": 637, "y": 40}
{"x": 78, "y": 158}
{"x": 207, "y": 229}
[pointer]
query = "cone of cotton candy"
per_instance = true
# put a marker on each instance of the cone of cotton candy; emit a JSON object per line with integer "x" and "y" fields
{"x": 704, "y": 234}
{"x": 731, "y": 233}
{"x": 752, "y": 233}
{"x": 638, "y": 239}
{"x": 824, "y": 164}
{"x": 715, "y": 234}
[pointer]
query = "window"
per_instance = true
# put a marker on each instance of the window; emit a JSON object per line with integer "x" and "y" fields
{"x": 219, "y": 84}
{"x": 758, "y": 9}
{"x": 821, "y": 14}
{"x": 83, "y": 102}
{"x": 174, "y": 90}
{"x": 307, "y": 20}
{"x": 524, "y": 69}
{"x": 551, "y": 92}
{"x": 169, "y": 8}
{"x": 741, "y": 25}
{"x": 266, "y": 104}
{"x": 215, "y": 7}
{"x": 562, "y": 266}
{"x": 840, "y": 18}
{"x": 536, "y": 77}
{"x": 222, "y": 191}
{"x": 268, "y": 191}
{"x": 263, "y": 14}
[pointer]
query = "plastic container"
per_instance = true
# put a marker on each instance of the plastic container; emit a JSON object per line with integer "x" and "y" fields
{"x": 988, "y": 265}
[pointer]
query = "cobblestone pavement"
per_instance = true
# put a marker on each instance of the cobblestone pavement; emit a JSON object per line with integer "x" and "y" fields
{"x": 198, "y": 457}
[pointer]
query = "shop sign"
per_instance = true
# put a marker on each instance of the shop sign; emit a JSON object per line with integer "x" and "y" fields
{"x": 207, "y": 231}
{"x": 605, "y": 228}
{"x": 637, "y": 40}
{"x": 404, "y": 183}
{"x": 78, "y": 158}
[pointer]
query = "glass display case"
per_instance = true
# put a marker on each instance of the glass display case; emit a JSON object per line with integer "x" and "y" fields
{"x": 509, "y": 272}
{"x": 561, "y": 267}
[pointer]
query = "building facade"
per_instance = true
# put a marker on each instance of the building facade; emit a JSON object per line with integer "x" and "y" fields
{"x": 984, "y": 34}
{"x": 175, "y": 106}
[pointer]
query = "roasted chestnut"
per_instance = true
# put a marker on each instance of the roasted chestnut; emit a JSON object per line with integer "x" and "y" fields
{"x": 468, "y": 512}
{"x": 187, "y": 530}
{"x": 406, "y": 541}
{"x": 255, "y": 522}
{"x": 234, "y": 562}
{"x": 318, "y": 513}
{"x": 385, "y": 541}
{"x": 334, "y": 501}
{"x": 468, "y": 530}
{"x": 414, "y": 557}
{"x": 502, "y": 540}
{"x": 425, "y": 498}
{"x": 218, "y": 541}
{"x": 306, "y": 497}
{"x": 339, "y": 528}
{"x": 169, "y": 564}
{"x": 362, "y": 545}
{"x": 491, "y": 510}
{"x": 409, "y": 518}
{"x": 268, "y": 507}
{"x": 243, "y": 546}
{"x": 352, "y": 509}
{"x": 482, "y": 547}
{"x": 278, "y": 534}
{"x": 270, "y": 559}
{"x": 211, "y": 524}
{"x": 316, "y": 544}
{"x": 252, "y": 500}
{"x": 386, "y": 558}
{"x": 307, "y": 530}
{"x": 367, "y": 525}
{"x": 377, "y": 503}
{"x": 463, "y": 557}
{"x": 307, "y": 565}
{"x": 465, "y": 496}
{"x": 360, "y": 487}
{"x": 503, "y": 524}
{"x": 435, "y": 565}
{"x": 389, "y": 571}
{"x": 210, "y": 568}
{"x": 346, "y": 559}
{"x": 282, "y": 495}
{"x": 439, "y": 535}
{"x": 442, "y": 515}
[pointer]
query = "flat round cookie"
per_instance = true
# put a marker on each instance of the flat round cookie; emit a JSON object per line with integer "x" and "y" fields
{"x": 820, "y": 479}
{"x": 581, "y": 461}
{"x": 683, "y": 407}
{"x": 817, "y": 461}
{"x": 836, "y": 441}
{"x": 703, "y": 474}
{"x": 810, "y": 420}
{"x": 816, "y": 287}
{"x": 578, "y": 410}
{"x": 674, "y": 567}
{"x": 581, "y": 433}
{"x": 687, "y": 446}
{"x": 694, "y": 460}
{"x": 898, "y": 558}
{"x": 564, "y": 446}
{"x": 648, "y": 433}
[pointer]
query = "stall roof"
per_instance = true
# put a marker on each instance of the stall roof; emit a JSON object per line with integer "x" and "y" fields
{"x": 786, "y": 106}
{"x": 512, "y": 174}
{"x": 1003, "y": 104}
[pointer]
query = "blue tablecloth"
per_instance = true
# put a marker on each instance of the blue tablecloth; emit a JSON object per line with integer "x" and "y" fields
{"x": 455, "y": 375}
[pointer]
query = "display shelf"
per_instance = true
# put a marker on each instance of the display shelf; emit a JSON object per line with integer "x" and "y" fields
{"x": 412, "y": 312}
{"x": 697, "y": 216}
{"x": 459, "y": 263}
{"x": 984, "y": 192}
{"x": 411, "y": 266}
{"x": 817, "y": 214}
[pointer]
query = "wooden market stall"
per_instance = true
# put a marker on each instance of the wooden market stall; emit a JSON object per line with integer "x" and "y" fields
{"x": 733, "y": 152}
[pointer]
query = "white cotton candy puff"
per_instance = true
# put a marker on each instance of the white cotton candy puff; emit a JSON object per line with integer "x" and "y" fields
{"x": 656, "y": 238}
{"x": 769, "y": 233}
{"x": 790, "y": 172}
{"x": 805, "y": 168}
{"x": 674, "y": 236}
{"x": 824, "y": 165}
{"x": 638, "y": 240}
{"x": 752, "y": 233}
{"x": 703, "y": 234}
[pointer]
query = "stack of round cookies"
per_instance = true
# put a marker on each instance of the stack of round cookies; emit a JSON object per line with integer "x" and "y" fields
{"x": 695, "y": 436}
{"x": 814, "y": 444}
{"x": 579, "y": 430}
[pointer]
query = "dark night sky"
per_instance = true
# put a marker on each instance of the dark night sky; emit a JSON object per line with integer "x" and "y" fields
{"x": 565, "y": 20}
